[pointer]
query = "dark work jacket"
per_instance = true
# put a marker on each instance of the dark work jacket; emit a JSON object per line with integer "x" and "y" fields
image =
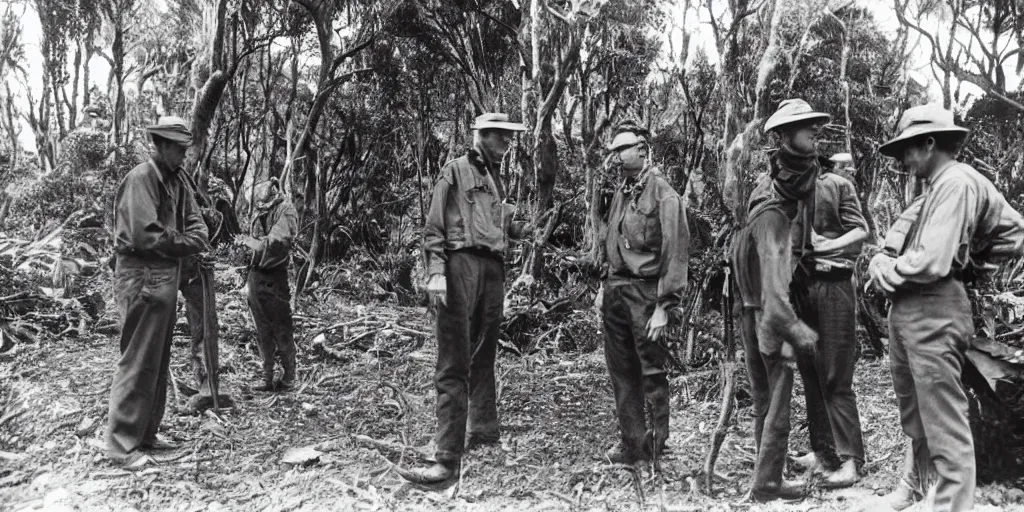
{"x": 156, "y": 216}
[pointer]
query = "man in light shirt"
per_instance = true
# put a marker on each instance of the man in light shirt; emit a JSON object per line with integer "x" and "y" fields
{"x": 959, "y": 226}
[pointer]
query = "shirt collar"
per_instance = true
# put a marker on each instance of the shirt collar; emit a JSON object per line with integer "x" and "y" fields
{"x": 939, "y": 173}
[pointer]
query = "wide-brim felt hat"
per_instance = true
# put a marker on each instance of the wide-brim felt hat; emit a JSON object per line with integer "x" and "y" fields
{"x": 918, "y": 121}
{"x": 793, "y": 111}
{"x": 626, "y": 139}
{"x": 497, "y": 121}
{"x": 845, "y": 158}
{"x": 172, "y": 128}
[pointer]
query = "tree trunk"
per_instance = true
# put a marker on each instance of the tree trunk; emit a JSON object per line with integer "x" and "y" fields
{"x": 117, "y": 70}
{"x": 545, "y": 161}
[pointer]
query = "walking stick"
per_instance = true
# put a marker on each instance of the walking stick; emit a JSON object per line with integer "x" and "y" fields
{"x": 729, "y": 388}
{"x": 210, "y": 333}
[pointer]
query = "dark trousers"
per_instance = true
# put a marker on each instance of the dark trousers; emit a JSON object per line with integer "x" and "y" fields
{"x": 636, "y": 364}
{"x": 270, "y": 303}
{"x": 192, "y": 291}
{"x": 467, "y": 340}
{"x": 827, "y": 303}
{"x": 771, "y": 384}
{"x": 146, "y": 294}
{"x": 930, "y": 327}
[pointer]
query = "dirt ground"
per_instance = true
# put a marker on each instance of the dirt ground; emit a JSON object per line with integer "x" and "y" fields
{"x": 371, "y": 407}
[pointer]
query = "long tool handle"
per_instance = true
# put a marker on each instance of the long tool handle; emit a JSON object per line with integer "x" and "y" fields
{"x": 210, "y": 333}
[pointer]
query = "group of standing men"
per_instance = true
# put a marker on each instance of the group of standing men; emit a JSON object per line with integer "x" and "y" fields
{"x": 798, "y": 303}
{"x": 161, "y": 245}
{"x": 793, "y": 260}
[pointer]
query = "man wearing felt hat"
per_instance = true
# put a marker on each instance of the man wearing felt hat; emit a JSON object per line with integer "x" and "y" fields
{"x": 958, "y": 227}
{"x": 646, "y": 253}
{"x": 767, "y": 252}
{"x": 270, "y": 238}
{"x": 842, "y": 165}
{"x": 466, "y": 232}
{"x": 157, "y": 224}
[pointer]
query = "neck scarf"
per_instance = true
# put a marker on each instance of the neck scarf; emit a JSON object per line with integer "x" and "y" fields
{"x": 793, "y": 173}
{"x": 633, "y": 186}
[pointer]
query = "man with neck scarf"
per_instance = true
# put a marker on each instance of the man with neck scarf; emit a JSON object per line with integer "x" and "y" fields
{"x": 764, "y": 265}
{"x": 272, "y": 230}
{"x": 156, "y": 225}
{"x": 646, "y": 252}
{"x": 466, "y": 232}
{"x": 959, "y": 227}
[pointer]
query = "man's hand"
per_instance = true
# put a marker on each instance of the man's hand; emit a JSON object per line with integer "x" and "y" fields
{"x": 822, "y": 245}
{"x": 437, "y": 289}
{"x": 247, "y": 241}
{"x": 805, "y": 338}
{"x": 207, "y": 261}
{"x": 882, "y": 272}
{"x": 656, "y": 325}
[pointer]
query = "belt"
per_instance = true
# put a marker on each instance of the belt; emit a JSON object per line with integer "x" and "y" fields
{"x": 833, "y": 274}
{"x": 482, "y": 252}
{"x": 134, "y": 260}
{"x": 625, "y": 277}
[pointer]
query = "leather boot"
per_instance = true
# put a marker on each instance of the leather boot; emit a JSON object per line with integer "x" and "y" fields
{"x": 843, "y": 477}
{"x": 902, "y": 497}
{"x": 785, "y": 490}
{"x": 657, "y": 393}
{"x": 287, "y": 381}
{"x": 268, "y": 381}
{"x": 436, "y": 473}
{"x": 621, "y": 454}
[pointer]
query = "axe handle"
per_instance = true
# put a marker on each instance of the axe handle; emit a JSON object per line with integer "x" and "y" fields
{"x": 210, "y": 333}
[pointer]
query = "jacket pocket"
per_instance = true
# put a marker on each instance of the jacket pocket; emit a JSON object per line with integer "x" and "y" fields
{"x": 485, "y": 217}
{"x": 640, "y": 226}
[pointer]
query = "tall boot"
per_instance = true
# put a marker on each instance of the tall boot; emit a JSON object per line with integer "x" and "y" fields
{"x": 657, "y": 394}
{"x": 287, "y": 381}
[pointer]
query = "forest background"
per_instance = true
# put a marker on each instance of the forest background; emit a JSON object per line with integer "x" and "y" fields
{"x": 356, "y": 104}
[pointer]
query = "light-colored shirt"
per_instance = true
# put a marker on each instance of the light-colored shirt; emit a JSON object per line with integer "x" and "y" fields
{"x": 964, "y": 221}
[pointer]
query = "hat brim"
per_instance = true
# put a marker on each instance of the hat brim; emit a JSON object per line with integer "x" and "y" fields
{"x": 176, "y": 136}
{"x": 500, "y": 125}
{"x": 620, "y": 147}
{"x": 788, "y": 120}
{"x": 893, "y": 147}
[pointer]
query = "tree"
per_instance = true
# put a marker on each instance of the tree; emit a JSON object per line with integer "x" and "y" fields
{"x": 979, "y": 43}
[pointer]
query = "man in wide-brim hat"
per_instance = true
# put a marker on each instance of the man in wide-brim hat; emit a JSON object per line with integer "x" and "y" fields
{"x": 958, "y": 226}
{"x": 157, "y": 223}
{"x": 842, "y": 165}
{"x": 467, "y": 230}
{"x": 773, "y": 335}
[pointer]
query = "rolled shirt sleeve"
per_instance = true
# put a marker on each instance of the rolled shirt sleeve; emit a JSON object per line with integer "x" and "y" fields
{"x": 943, "y": 233}
{"x": 850, "y": 212}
